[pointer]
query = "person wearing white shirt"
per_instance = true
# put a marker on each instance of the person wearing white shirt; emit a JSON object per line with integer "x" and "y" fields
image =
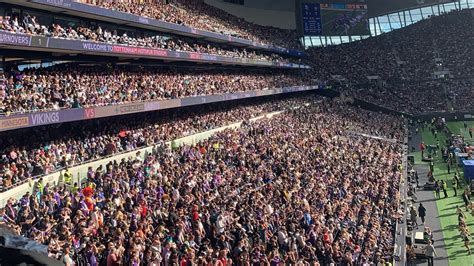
{"x": 430, "y": 253}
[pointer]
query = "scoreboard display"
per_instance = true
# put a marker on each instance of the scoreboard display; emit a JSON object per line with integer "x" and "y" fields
{"x": 335, "y": 19}
{"x": 311, "y": 13}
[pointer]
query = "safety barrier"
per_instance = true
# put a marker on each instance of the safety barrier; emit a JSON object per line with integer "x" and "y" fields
{"x": 399, "y": 252}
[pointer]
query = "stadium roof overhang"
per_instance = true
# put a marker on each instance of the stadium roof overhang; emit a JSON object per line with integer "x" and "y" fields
{"x": 382, "y": 7}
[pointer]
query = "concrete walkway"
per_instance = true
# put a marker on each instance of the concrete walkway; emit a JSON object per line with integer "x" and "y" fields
{"x": 432, "y": 217}
{"x": 428, "y": 199}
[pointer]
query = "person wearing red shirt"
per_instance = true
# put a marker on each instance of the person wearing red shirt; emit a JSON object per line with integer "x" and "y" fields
{"x": 112, "y": 258}
{"x": 422, "y": 148}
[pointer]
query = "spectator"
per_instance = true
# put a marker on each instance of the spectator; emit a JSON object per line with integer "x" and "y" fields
{"x": 430, "y": 252}
{"x": 413, "y": 216}
{"x": 422, "y": 213}
{"x": 445, "y": 188}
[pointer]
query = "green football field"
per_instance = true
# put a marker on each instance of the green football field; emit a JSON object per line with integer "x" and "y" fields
{"x": 457, "y": 253}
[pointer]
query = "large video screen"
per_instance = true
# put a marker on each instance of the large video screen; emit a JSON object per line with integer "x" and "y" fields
{"x": 335, "y": 19}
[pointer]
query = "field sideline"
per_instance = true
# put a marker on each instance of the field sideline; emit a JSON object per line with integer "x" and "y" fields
{"x": 457, "y": 253}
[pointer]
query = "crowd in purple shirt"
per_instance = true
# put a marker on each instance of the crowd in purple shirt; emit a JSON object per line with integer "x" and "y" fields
{"x": 297, "y": 188}
{"x": 419, "y": 97}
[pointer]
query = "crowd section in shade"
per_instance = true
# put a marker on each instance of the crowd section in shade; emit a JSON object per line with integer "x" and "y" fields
{"x": 31, "y": 25}
{"x": 76, "y": 86}
{"x": 296, "y": 188}
{"x": 406, "y": 61}
{"x": 57, "y": 146}
{"x": 198, "y": 14}
{"x": 418, "y": 97}
{"x": 409, "y": 53}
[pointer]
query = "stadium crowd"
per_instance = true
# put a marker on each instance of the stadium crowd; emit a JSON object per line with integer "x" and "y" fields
{"x": 411, "y": 53}
{"x": 314, "y": 185}
{"x": 405, "y": 60}
{"x": 23, "y": 157}
{"x": 197, "y": 14}
{"x": 285, "y": 190}
{"x": 31, "y": 25}
{"x": 408, "y": 97}
{"x": 73, "y": 86}
{"x": 418, "y": 97}
{"x": 461, "y": 93}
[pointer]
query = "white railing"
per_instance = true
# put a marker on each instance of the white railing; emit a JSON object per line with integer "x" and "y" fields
{"x": 399, "y": 252}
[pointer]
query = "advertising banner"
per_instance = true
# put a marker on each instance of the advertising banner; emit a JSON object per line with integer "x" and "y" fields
{"x": 115, "y": 49}
{"x": 14, "y": 39}
{"x": 11, "y": 122}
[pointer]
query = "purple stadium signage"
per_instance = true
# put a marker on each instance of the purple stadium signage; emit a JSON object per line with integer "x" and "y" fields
{"x": 130, "y": 108}
{"x": 99, "y": 47}
{"x": 212, "y": 57}
{"x": 20, "y": 40}
{"x": 143, "y": 20}
{"x": 63, "y": 3}
{"x": 119, "y": 49}
{"x": 68, "y": 115}
{"x": 41, "y": 118}
{"x": 89, "y": 113}
{"x": 14, "y": 39}
{"x": 113, "y": 49}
